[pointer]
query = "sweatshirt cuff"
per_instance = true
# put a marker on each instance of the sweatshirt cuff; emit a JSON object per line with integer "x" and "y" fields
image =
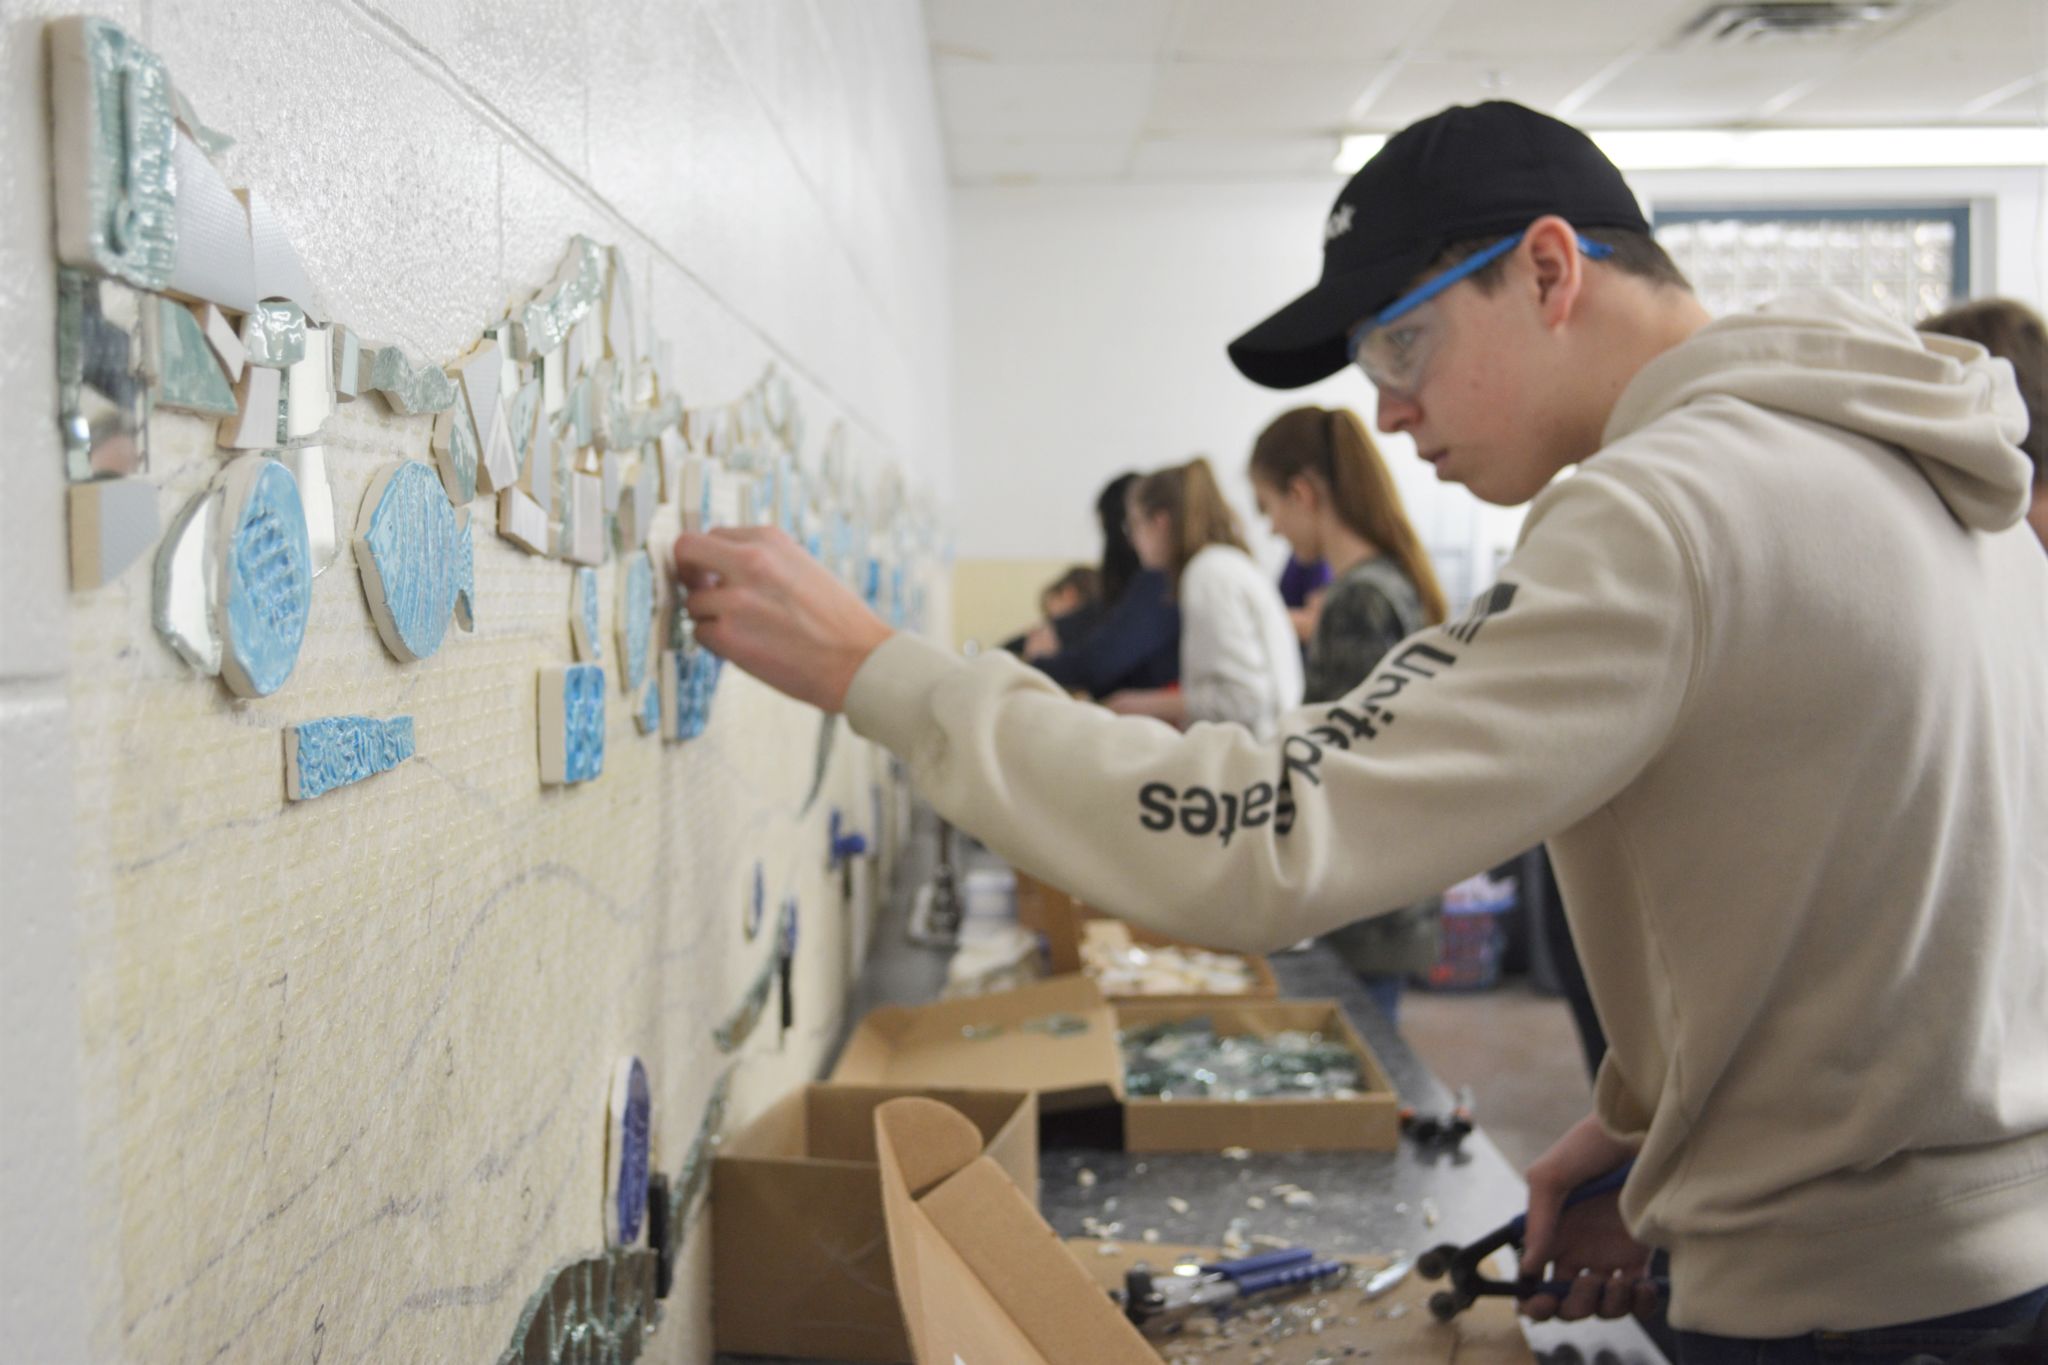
{"x": 890, "y": 699}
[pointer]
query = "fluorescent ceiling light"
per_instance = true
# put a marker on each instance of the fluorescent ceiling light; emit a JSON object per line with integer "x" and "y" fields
{"x": 1355, "y": 149}
{"x": 1773, "y": 149}
{"x": 1770, "y": 149}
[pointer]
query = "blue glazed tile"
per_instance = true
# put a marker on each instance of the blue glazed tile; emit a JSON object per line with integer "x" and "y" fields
{"x": 418, "y": 564}
{"x": 649, "y": 717}
{"x": 266, "y": 577}
{"x": 321, "y": 755}
{"x": 636, "y": 619}
{"x": 584, "y": 611}
{"x": 689, "y": 677}
{"x": 571, "y": 723}
{"x": 626, "y": 1149}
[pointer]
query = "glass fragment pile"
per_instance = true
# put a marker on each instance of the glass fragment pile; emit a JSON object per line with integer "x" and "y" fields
{"x": 1186, "y": 1059}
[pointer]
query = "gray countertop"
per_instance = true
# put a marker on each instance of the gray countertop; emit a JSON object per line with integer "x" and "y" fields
{"x": 1364, "y": 1201}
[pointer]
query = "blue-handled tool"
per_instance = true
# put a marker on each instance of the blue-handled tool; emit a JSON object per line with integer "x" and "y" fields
{"x": 1461, "y": 1264}
{"x": 1161, "y": 1303}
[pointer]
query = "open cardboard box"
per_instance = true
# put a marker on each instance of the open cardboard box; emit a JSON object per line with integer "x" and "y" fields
{"x": 944, "y": 1045}
{"x": 1370, "y": 1120}
{"x": 982, "y": 1279}
{"x": 800, "y": 1254}
{"x": 1064, "y": 920}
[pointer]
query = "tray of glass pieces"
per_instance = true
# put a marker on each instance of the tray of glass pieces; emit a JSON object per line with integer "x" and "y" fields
{"x": 1341, "y": 1322}
{"x": 1265, "y": 1075}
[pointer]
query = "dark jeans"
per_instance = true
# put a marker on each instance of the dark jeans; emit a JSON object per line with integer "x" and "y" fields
{"x": 1941, "y": 1338}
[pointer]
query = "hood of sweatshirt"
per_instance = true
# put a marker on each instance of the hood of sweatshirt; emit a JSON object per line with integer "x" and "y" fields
{"x": 1949, "y": 404}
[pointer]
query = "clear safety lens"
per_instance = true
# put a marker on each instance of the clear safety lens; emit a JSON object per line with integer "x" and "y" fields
{"x": 1393, "y": 355}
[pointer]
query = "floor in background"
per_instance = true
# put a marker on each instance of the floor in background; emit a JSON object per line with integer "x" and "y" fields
{"x": 1518, "y": 1052}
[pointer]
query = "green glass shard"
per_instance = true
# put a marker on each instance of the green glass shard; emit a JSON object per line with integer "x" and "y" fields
{"x": 114, "y": 137}
{"x": 211, "y": 140}
{"x": 696, "y": 1170}
{"x": 544, "y": 323}
{"x": 407, "y": 387}
{"x": 188, "y": 375}
{"x": 457, "y": 451}
{"x": 275, "y": 335}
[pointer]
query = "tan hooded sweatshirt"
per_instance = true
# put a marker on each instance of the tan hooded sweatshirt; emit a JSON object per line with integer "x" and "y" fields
{"x": 1770, "y": 673}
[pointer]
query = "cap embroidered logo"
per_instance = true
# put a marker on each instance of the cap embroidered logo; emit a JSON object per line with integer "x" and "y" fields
{"x": 1339, "y": 224}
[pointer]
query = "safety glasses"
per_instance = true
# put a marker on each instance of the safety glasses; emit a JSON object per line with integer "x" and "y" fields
{"x": 1393, "y": 346}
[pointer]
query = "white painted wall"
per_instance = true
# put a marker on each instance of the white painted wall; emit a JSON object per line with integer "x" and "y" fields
{"x": 1091, "y": 322}
{"x": 772, "y": 170}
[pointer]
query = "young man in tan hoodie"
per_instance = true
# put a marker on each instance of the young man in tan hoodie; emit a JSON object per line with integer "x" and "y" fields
{"x": 1769, "y": 673}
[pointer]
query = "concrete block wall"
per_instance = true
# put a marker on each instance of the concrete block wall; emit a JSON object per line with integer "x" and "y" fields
{"x": 772, "y": 171}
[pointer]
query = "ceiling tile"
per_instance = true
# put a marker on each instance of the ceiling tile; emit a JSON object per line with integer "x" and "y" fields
{"x": 1100, "y": 99}
{"x": 1290, "y": 30}
{"x": 1934, "y": 67}
{"x": 1256, "y": 97}
{"x": 1427, "y": 85}
{"x": 1047, "y": 30}
{"x": 988, "y": 160}
{"x": 1237, "y": 159}
{"x": 1695, "y": 85}
{"x": 1506, "y": 30}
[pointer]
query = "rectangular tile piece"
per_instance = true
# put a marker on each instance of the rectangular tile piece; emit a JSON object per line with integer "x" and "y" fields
{"x": 260, "y": 394}
{"x": 522, "y": 521}
{"x": 309, "y": 391}
{"x": 113, "y": 524}
{"x": 571, "y": 705}
{"x": 214, "y": 259}
{"x": 112, "y": 149}
{"x": 583, "y": 538}
{"x": 346, "y": 350}
{"x": 320, "y": 755}
{"x": 499, "y": 467}
{"x": 103, "y": 392}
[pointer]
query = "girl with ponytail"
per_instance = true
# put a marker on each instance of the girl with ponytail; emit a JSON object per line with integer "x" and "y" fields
{"x": 1321, "y": 482}
{"x": 1238, "y": 658}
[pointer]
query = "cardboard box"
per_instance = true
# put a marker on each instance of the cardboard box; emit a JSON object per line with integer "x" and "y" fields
{"x": 800, "y": 1253}
{"x": 982, "y": 1279}
{"x": 1369, "y": 1121}
{"x": 979, "y": 1043}
{"x": 1063, "y": 920}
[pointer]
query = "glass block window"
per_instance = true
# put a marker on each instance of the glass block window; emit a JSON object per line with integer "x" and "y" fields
{"x": 1906, "y": 263}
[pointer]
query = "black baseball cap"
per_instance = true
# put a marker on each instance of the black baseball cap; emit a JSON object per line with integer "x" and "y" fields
{"x": 1470, "y": 171}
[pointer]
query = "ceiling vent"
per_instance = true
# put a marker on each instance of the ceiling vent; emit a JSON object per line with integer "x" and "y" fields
{"x": 1769, "y": 20}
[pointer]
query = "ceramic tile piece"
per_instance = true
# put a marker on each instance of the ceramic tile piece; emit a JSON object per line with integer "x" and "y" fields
{"x": 627, "y": 1123}
{"x": 571, "y": 723}
{"x": 669, "y": 463}
{"x": 621, "y": 338}
{"x": 522, "y": 419}
{"x": 693, "y": 493}
{"x": 647, "y": 715}
{"x": 635, "y": 623}
{"x": 586, "y": 637}
{"x": 112, "y": 149}
{"x": 577, "y": 347}
{"x": 415, "y": 556}
{"x": 465, "y": 574}
{"x": 633, "y": 426}
{"x": 543, "y": 324}
{"x": 334, "y": 751}
{"x": 279, "y": 274}
{"x": 226, "y": 342}
{"x": 611, "y": 474}
{"x": 261, "y": 395}
{"x": 308, "y": 391}
{"x": 578, "y": 418}
{"x": 103, "y": 393}
{"x": 214, "y": 260}
{"x": 583, "y": 538}
{"x": 522, "y": 521}
{"x": 457, "y": 452}
{"x": 308, "y": 466}
{"x": 113, "y": 524}
{"x": 345, "y": 348}
{"x": 688, "y": 679}
{"x": 188, "y": 375}
{"x": 409, "y": 389}
{"x": 478, "y": 375}
{"x": 186, "y": 608}
{"x": 498, "y": 468}
{"x": 554, "y": 384}
{"x": 274, "y": 334}
{"x": 210, "y": 140}
{"x": 540, "y": 477}
{"x": 602, "y": 1309}
{"x": 266, "y": 576}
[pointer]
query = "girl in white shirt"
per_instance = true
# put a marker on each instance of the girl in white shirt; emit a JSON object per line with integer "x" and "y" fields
{"x": 1239, "y": 660}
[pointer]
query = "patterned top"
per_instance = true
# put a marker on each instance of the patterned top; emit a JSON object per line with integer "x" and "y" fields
{"x": 1370, "y": 608}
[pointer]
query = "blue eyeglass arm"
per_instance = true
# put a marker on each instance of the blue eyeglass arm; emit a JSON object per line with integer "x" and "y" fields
{"x": 1471, "y": 265}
